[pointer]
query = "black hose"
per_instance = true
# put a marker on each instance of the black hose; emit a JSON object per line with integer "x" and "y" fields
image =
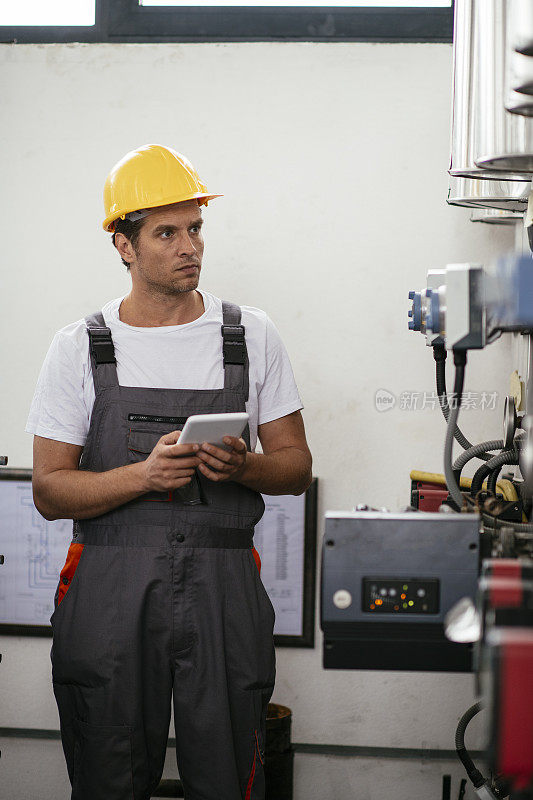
{"x": 495, "y": 523}
{"x": 440, "y": 355}
{"x": 471, "y": 770}
{"x": 459, "y": 359}
{"x": 493, "y": 477}
{"x": 505, "y": 457}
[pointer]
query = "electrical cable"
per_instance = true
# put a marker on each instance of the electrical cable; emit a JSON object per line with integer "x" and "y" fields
{"x": 493, "y": 477}
{"x": 471, "y": 770}
{"x": 459, "y": 359}
{"x": 505, "y": 457}
{"x": 440, "y": 355}
{"x": 475, "y": 450}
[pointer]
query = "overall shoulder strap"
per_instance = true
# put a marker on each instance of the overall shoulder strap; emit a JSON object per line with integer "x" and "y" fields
{"x": 102, "y": 352}
{"x": 234, "y": 349}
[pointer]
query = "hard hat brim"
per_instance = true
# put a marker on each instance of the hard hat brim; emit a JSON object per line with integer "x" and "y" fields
{"x": 204, "y": 197}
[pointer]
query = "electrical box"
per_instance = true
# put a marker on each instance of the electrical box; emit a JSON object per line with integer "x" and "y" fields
{"x": 388, "y": 581}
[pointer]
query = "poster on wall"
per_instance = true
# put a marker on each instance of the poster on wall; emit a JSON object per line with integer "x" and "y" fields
{"x": 34, "y": 551}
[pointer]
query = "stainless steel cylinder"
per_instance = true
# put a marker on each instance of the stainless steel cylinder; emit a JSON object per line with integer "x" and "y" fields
{"x": 503, "y": 141}
{"x": 520, "y": 72}
{"x": 521, "y": 26}
{"x": 517, "y": 103}
{"x": 506, "y": 195}
{"x": 466, "y": 99}
{"x": 496, "y": 216}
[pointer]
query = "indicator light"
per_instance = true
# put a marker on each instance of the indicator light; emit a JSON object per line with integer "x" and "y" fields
{"x": 372, "y": 607}
{"x": 396, "y": 608}
{"x": 403, "y": 596}
{"x": 405, "y": 587}
{"x": 411, "y": 603}
{"x": 405, "y": 605}
{"x": 379, "y": 602}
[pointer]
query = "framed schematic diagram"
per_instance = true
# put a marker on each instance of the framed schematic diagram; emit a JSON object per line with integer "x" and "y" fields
{"x": 286, "y": 541}
{"x": 34, "y": 552}
{"x": 35, "y": 549}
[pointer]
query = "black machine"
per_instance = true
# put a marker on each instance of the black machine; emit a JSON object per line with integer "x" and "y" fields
{"x": 388, "y": 581}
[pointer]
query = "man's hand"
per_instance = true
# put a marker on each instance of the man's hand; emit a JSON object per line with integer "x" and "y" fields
{"x": 223, "y": 465}
{"x": 170, "y": 465}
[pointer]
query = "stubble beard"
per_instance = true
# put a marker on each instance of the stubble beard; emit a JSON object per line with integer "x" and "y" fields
{"x": 176, "y": 287}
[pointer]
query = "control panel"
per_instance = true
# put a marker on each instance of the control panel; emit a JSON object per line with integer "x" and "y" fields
{"x": 401, "y": 595}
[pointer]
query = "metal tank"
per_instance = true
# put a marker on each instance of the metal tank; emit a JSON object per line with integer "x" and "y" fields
{"x": 506, "y": 195}
{"x": 496, "y": 216}
{"x": 503, "y": 141}
{"x": 521, "y": 26}
{"x": 519, "y": 103}
{"x": 520, "y": 72}
{"x": 519, "y": 69}
{"x": 466, "y": 106}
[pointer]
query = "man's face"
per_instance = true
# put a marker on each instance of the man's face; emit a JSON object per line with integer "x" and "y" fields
{"x": 169, "y": 250}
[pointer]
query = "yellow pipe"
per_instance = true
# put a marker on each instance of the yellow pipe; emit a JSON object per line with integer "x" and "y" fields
{"x": 505, "y": 487}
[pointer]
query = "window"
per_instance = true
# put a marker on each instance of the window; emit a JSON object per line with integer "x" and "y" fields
{"x": 343, "y": 3}
{"x": 52, "y": 12}
{"x": 233, "y": 21}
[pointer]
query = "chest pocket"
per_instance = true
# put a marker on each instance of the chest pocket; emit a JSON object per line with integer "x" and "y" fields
{"x": 141, "y": 442}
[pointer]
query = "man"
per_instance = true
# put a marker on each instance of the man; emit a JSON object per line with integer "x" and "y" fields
{"x": 160, "y": 594}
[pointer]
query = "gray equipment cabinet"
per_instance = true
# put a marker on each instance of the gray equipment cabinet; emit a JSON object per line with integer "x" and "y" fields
{"x": 387, "y": 582}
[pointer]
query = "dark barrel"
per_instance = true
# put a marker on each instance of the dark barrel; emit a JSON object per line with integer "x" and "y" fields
{"x": 279, "y": 754}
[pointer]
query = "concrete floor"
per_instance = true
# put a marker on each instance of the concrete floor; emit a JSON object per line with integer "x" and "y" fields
{"x": 35, "y": 770}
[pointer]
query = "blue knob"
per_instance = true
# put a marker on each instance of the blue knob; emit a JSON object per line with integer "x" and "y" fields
{"x": 410, "y": 312}
{"x": 411, "y": 294}
{"x": 429, "y": 292}
{"x": 435, "y": 313}
{"x": 411, "y": 325}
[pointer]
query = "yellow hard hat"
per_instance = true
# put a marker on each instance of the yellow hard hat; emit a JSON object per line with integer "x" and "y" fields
{"x": 150, "y": 176}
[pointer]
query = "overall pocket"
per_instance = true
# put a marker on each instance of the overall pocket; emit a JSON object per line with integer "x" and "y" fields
{"x": 141, "y": 442}
{"x": 102, "y": 762}
{"x": 67, "y": 574}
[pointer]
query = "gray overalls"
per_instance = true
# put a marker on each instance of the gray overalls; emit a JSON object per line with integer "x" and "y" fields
{"x": 162, "y": 597}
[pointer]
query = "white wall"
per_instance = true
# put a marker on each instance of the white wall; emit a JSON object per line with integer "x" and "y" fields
{"x": 333, "y": 163}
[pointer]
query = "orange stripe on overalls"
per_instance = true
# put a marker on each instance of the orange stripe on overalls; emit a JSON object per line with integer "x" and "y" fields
{"x": 251, "y": 779}
{"x": 67, "y": 573}
{"x": 257, "y": 559}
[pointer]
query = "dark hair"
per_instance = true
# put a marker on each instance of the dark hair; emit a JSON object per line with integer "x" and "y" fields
{"x": 131, "y": 231}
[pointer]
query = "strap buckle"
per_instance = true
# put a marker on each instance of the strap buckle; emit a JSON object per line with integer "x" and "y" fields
{"x": 234, "y": 347}
{"x": 102, "y": 347}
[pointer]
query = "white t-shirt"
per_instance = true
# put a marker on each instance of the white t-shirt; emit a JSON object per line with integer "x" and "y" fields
{"x": 185, "y": 356}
